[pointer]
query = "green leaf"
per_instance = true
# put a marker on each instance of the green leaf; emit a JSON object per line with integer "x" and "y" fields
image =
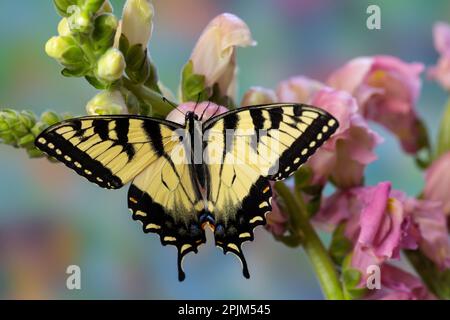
{"x": 96, "y": 83}
{"x": 351, "y": 279}
{"x": 340, "y": 246}
{"x": 437, "y": 281}
{"x": 138, "y": 64}
{"x": 303, "y": 177}
{"x": 192, "y": 85}
{"x": 76, "y": 72}
{"x": 124, "y": 45}
{"x": 152, "y": 80}
{"x": 105, "y": 26}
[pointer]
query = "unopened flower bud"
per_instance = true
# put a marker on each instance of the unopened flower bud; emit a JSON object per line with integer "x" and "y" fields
{"x": 79, "y": 20}
{"x": 50, "y": 118}
{"x": 62, "y": 6}
{"x": 64, "y": 28}
{"x": 106, "y": 103}
{"x": 137, "y": 23}
{"x": 111, "y": 65}
{"x": 105, "y": 26}
{"x": 258, "y": 95}
{"x": 56, "y": 46}
{"x": 93, "y": 6}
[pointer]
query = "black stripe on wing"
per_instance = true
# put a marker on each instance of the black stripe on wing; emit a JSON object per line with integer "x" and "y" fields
{"x": 229, "y": 235}
{"x": 62, "y": 150}
{"x": 186, "y": 236}
{"x": 315, "y": 135}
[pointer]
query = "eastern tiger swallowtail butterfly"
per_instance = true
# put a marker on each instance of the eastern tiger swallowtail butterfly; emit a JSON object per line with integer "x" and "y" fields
{"x": 177, "y": 191}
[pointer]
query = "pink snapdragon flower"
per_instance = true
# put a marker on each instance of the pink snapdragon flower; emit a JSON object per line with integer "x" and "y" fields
{"x": 437, "y": 182}
{"x": 376, "y": 223}
{"x": 397, "y": 284}
{"x": 432, "y": 226}
{"x": 214, "y": 55}
{"x": 387, "y": 90}
{"x": 441, "y": 71}
{"x": 380, "y": 222}
{"x": 345, "y": 155}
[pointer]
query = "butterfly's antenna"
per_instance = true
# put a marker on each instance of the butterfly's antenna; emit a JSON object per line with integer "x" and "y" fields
{"x": 198, "y": 100}
{"x": 217, "y": 110}
{"x": 203, "y": 113}
{"x": 173, "y": 105}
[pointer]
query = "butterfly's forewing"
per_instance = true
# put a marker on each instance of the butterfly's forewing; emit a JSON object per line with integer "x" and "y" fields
{"x": 112, "y": 150}
{"x": 107, "y": 150}
{"x": 246, "y": 148}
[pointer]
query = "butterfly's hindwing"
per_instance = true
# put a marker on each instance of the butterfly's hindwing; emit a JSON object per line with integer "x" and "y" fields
{"x": 166, "y": 199}
{"x": 185, "y": 235}
{"x": 232, "y": 232}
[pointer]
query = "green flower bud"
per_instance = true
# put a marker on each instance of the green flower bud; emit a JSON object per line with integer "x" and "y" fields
{"x": 92, "y": 6}
{"x": 132, "y": 103}
{"x": 38, "y": 128}
{"x": 105, "y": 26}
{"x": 65, "y": 51}
{"x": 62, "y": 6}
{"x": 58, "y": 45}
{"x": 106, "y": 103}
{"x": 64, "y": 28}
{"x": 35, "y": 153}
{"x": 28, "y": 119}
{"x": 26, "y": 141}
{"x": 111, "y": 65}
{"x": 50, "y": 118}
{"x": 3, "y": 126}
{"x": 79, "y": 20}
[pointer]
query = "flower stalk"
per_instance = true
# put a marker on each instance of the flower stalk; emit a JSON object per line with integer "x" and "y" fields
{"x": 313, "y": 246}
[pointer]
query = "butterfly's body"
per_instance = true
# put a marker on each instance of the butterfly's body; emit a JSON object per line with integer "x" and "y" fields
{"x": 187, "y": 177}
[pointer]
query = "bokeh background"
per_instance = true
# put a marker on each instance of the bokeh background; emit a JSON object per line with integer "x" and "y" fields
{"x": 51, "y": 218}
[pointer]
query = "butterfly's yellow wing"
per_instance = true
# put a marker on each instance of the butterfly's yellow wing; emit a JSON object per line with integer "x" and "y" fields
{"x": 113, "y": 150}
{"x": 246, "y": 148}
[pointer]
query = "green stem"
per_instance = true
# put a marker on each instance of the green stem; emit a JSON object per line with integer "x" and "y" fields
{"x": 314, "y": 248}
{"x": 149, "y": 97}
{"x": 437, "y": 281}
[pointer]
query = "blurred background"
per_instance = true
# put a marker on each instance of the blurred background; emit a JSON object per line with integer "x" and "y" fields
{"x": 51, "y": 218}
